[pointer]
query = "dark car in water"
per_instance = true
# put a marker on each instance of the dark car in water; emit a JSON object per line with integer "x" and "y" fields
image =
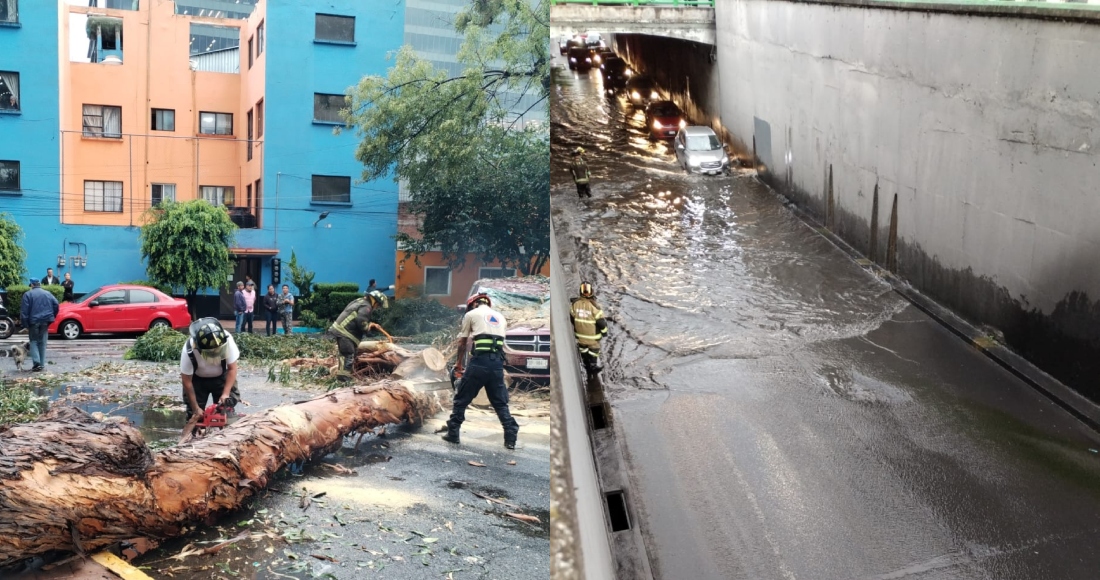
{"x": 664, "y": 119}
{"x": 641, "y": 90}
{"x": 615, "y": 72}
{"x": 580, "y": 58}
{"x": 602, "y": 53}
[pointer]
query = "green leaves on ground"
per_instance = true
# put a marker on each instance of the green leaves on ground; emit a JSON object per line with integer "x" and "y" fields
{"x": 186, "y": 245}
{"x": 19, "y": 404}
{"x": 165, "y": 345}
{"x": 12, "y": 255}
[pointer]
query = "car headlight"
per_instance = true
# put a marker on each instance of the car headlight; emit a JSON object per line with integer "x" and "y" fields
{"x": 656, "y": 124}
{"x": 571, "y": 59}
{"x": 654, "y": 95}
{"x": 725, "y": 160}
{"x": 683, "y": 123}
{"x": 588, "y": 60}
{"x": 628, "y": 72}
{"x": 635, "y": 95}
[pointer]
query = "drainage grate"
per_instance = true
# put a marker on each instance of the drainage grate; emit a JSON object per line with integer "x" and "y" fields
{"x": 599, "y": 417}
{"x": 616, "y": 510}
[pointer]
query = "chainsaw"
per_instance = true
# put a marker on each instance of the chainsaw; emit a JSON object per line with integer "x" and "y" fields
{"x": 213, "y": 416}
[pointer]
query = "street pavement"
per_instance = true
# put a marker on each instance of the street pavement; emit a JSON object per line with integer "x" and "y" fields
{"x": 784, "y": 413}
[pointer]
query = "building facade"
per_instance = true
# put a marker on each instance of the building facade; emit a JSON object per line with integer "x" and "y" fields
{"x": 138, "y": 102}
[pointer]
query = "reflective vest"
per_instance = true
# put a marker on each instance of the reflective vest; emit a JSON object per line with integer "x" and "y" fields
{"x": 580, "y": 170}
{"x": 588, "y": 323}
{"x": 353, "y": 321}
{"x": 487, "y": 344}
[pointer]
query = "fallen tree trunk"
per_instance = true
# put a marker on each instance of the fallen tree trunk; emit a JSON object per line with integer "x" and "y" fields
{"x": 72, "y": 483}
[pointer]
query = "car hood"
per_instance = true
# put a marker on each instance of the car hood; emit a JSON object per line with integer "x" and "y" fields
{"x": 713, "y": 155}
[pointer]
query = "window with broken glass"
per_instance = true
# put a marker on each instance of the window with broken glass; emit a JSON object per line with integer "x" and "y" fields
{"x": 102, "y": 121}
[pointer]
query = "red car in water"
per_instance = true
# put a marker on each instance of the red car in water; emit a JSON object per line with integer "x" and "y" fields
{"x": 664, "y": 119}
{"x": 120, "y": 308}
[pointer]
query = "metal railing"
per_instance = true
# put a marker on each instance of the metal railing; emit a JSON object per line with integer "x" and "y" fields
{"x": 675, "y": 3}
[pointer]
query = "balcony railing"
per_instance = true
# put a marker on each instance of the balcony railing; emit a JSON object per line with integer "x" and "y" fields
{"x": 243, "y": 217}
{"x": 674, "y": 3}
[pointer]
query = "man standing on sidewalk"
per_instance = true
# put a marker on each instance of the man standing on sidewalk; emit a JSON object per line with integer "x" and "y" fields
{"x": 239, "y": 306}
{"x": 37, "y": 311}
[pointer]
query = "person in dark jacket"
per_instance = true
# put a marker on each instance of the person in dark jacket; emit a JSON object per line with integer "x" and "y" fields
{"x": 68, "y": 286}
{"x": 50, "y": 279}
{"x": 38, "y": 310}
{"x": 271, "y": 311}
{"x": 239, "y": 307}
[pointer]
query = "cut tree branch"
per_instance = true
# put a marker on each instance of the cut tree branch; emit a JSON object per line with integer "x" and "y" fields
{"x": 71, "y": 483}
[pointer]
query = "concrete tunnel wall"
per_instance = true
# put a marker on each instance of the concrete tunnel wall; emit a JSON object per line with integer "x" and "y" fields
{"x": 982, "y": 129}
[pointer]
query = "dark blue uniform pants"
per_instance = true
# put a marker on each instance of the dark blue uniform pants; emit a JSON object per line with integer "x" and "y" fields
{"x": 484, "y": 371}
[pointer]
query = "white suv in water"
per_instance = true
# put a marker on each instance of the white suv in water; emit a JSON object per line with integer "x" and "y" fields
{"x": 699, "y": 150}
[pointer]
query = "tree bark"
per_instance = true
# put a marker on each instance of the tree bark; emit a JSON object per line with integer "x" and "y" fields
{"x": 71, "y": 483}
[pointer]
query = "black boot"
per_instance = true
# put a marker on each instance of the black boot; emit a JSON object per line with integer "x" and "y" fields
{"x": 451, "y": 436}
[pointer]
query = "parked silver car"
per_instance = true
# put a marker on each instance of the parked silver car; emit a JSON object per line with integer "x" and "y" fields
{"x": 699, "y": 150}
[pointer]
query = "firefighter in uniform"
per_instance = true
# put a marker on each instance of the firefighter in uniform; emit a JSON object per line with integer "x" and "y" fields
{"x": 352, "y": 325}
{"x": 208, "y": 367}
{"x": 483, "y": 333}
{"x": 581, "y": 175}
{"x": 589, "y": 327}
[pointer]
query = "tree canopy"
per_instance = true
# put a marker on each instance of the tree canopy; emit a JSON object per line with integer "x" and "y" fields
{"x": 12, "y": 255}
{"x": 473, "y": 173}
{"x": 186, "y": 245}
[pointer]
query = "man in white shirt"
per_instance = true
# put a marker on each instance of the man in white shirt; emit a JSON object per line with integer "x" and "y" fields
{"x": 208, "y": 367}
{"x": 483, "y": 334}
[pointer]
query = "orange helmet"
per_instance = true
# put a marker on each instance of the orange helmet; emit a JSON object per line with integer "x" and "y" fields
{"x": 586, "y": 290}
{"x": 476, "y": 299}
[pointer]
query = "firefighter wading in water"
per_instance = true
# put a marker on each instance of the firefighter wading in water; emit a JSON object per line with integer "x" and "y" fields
{"x": 589, "y": 327}
{"x": 352, "y": 325}
{"x": 484, "y": 328}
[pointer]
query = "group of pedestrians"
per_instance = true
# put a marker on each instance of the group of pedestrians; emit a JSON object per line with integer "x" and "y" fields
{"x": 276, "y": 307}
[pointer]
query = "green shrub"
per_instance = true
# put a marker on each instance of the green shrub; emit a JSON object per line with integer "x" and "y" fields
{"x": 14, "y": 297}
{"x": 160, "y": 344}
{"x": 162, "y": 287}
{"x": 330, "y": 287}
{"x": 19, "y": 404}
{"x": 165, "y": 345}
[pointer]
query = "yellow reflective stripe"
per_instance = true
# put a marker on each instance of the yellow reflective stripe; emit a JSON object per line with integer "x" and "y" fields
{"x": 587, "y": 336}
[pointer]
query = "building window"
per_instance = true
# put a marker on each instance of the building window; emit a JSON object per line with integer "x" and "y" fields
{"x": 215, "y": 123}
{"x": 9, "y": 10}
{"x": 332, "y": 188}
{"x": 249, "y": 52}
{"x": 327, "y": 107}
{"x": 117, "y": 4}
{"x": 249, "y": 143}
{"x": 495, "y": 273}
{"x": 335, "y": 28}
{"x": 103, "y": 196}
{"x": 162, "y": 192}
{"x": 9, "y": 87}
{"x": 248, "y": 195}
{"x": 217, "y": 194}
{"x": 9, "y": 173}
{"x": 259, "y": 202}
{"x": 102, "y": 121}
{"x": 260, "y": 39}
{"x": 164, "y": 120}
{"x": 437, "y": 281}
{"x": 260, "y": 119}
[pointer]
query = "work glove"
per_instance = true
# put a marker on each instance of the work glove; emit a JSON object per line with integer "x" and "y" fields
{"x": 228, "y": 403}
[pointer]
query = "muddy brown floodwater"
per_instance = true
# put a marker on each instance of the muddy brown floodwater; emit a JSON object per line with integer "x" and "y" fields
{"x": 783, "y": 412}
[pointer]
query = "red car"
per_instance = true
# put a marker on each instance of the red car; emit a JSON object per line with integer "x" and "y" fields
{"x": 664, "y": 119}
{"x": 120, "y": 308}
{"x": 525, "y": 303}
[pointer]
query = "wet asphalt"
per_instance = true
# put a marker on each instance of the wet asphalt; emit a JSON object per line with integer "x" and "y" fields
{"x": 784, "y": 413}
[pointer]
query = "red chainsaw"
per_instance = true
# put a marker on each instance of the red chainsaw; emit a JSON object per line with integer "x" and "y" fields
{"x": 213, "y": 416}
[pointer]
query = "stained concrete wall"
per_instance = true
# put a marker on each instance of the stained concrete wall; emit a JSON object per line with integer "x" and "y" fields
{"x": 983, "y": 129}
{"x": 688, "y": 23}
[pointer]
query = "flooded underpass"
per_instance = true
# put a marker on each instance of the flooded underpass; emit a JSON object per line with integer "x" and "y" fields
{"x": 784, "y": 413}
